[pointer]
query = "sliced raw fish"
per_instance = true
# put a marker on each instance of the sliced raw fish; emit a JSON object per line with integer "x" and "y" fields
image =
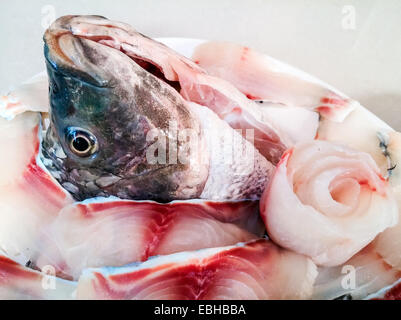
{"x": 379, "y": 264}
{"x": 363, "y": 275}
{"x": 261, "y": 77}
{"x": 30, "y": 96}
{"x": 21, "y": 283}
{"x": 391, "y": 292}
{"x": 256, "y": 270}
{"x": 327, "y": 201}
{"x": 103, "y": 232}
{"x": 29, "y": 196}
{"x": 294, "y": 124}
{"x": 363, "y": 131}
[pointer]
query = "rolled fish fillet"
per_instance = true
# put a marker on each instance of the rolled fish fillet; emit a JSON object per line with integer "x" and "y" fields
{"x": 29, "y": 196}
{"x": 256, "y": 270}
{"x": 113, "y": 232}
{"x": 22, "y": 283}
{"x": 374, "y": 271}
{"x": 261, "y": 77}
{"x": 327, "y": 201}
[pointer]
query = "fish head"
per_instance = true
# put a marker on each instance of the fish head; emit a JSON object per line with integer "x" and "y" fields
{"x": 104, "y": 110}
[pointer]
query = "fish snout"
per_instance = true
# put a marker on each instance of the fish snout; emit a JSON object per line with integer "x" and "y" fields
{"x": 77, "y": 57}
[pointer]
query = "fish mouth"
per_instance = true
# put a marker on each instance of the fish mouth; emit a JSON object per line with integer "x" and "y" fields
{"x": 66, "y": 52}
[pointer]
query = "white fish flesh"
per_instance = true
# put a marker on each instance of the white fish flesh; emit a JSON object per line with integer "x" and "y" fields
{"x": 261, "y": 77}
{"x": 22, "y": 283}
{"x": 327, "y": 201}
{"x": 29, "y": 196}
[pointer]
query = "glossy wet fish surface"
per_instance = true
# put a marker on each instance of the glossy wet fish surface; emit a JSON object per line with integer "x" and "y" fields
{"x": 133, "y": 172}
{"x": 105, "y": 108}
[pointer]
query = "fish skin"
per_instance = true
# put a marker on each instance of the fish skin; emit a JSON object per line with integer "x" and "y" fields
{"x": 192, "y": 81}
{"x": 116, "y": 108}
{"x": 100, "y": 89}
{"x": 251, "y": 271}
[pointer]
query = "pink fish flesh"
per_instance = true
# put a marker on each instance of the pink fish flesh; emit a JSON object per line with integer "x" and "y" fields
{"x": 134, "y": 231}
{"x": 256, "y": 270}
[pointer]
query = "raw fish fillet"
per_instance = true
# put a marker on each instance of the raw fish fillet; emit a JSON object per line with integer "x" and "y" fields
{"x": 363, "y": 131}
{"x": 327, "y": 201}
{"x": 294, "y": 124}
{"x": 30, "y": 198}
{"x": 261, "y": 77}
{"x": 364, "y": 274}
{"x": 29, "y": 96}
{"x": 391, "y": 292}
{"x": 256, "y": 270}
{"x": 108, "y": 232}
{"x": 22, "y": 283}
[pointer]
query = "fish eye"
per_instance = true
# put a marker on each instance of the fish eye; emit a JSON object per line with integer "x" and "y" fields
{"x": 81, "y": 142}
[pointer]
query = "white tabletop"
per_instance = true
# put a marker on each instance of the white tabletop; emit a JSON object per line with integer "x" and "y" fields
{"x": 353, "y": 45}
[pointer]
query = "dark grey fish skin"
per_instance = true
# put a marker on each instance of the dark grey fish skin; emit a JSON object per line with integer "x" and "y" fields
{"x": 109, "y": 87}
{"x": 99, "y": 93}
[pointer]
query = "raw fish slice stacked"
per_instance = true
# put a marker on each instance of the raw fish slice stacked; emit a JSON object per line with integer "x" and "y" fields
{"x": 103, "y": 235}
{"x": 256, "y": 270}
{"x": 29, "y": 196}
{"x": 261, "y": 77}
{"x": 134, "y": 231}
{"x": 65, "y": 237}
{"x": 342, "y": 121}
{"x": 20, "y": 283}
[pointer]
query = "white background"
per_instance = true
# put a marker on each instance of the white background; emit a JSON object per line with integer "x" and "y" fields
{"x": 364, "y": 62}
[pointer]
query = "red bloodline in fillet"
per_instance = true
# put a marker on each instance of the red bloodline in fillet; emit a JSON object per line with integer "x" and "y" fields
{"x": 194, "y": 279}
{"x": 9, "y": 268}
{"x": 324, "y": 109}
{"x": 159, "y": 231}
{"x": 394, "y": 293}
{"x": 136, "y": 275}
{"x": 11, "y": 105}
{"x": 244, "y": 53}
{"x": 251, "y": 97}
{"x": 36, "y": 178}
{"x": 340, "y": 102}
